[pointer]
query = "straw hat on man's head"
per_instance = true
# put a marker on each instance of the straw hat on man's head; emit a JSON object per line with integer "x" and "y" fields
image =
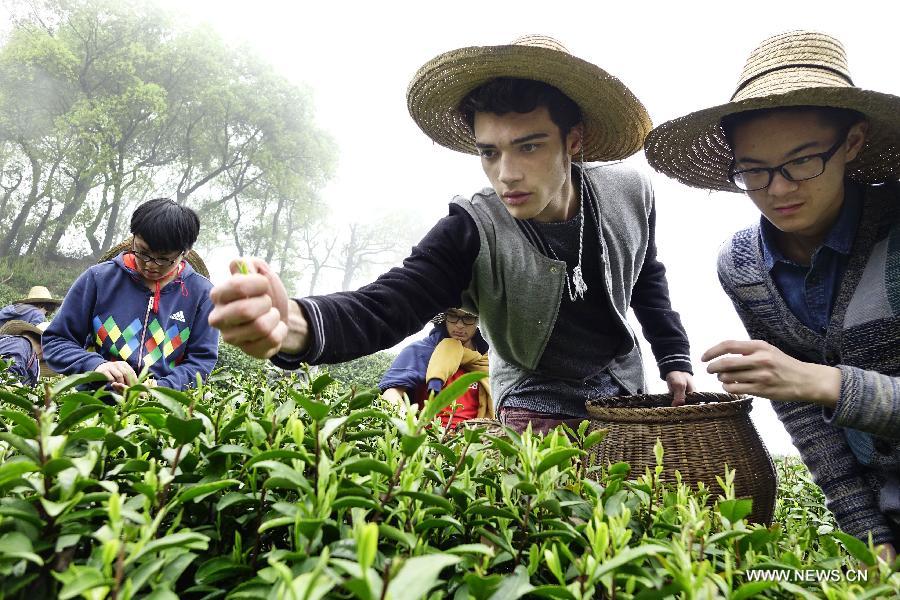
{"x": 38, "y": 294}
{"x": 19, "y": 327}
{"x": 615, "y": 122}
{"x": 798, "y": 68}
{"x": 33, "y": 332}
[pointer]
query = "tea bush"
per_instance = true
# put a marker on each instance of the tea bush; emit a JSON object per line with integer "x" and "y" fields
{"x": 243, "y": 488}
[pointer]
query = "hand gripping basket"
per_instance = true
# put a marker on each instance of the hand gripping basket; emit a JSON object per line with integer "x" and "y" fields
{"x": 699, "y": 439}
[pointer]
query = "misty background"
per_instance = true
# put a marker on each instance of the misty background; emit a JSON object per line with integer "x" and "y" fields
{"x": 285, "y": 126}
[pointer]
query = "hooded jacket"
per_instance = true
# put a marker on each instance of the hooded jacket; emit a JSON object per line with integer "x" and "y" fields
{"x": 21, "y": 312}
{"x": 109, "y": 314}
{"x": 18, "y": 350}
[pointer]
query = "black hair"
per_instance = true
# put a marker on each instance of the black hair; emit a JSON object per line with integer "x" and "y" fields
{"x": 506, "y": 94}
{"x": 842, "y": 119}
{"x": 165, "y": 225}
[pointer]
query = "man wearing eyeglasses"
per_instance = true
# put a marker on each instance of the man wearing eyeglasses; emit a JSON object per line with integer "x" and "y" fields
{"x": 817, "y": 281}
{"x": 454, "y": 347}
{"x": 145, "y": 308}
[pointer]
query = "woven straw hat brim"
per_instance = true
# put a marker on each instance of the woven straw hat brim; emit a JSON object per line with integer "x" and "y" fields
{"x": 192, "y": 257}
{"x": 19, "y": 327}
{"x": 693, "y": 149}
{"x": 37, "y": 300}
{"x": 615, "y": 121}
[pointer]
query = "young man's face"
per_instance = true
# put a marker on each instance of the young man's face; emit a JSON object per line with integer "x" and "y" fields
{"x": 148, "y": 268}
{"x": 459, "y": 329}
{"x": 527, "y": 161}
{"x": 809, "y": 207}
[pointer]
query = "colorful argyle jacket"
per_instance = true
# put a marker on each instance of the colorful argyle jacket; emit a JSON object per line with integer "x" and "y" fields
{"x": 863, "y": 340}
{"x": 108, "y": 315}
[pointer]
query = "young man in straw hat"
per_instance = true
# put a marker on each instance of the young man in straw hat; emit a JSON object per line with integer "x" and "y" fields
{"x": 33, "y": 308}
{"x": 20, "y": 345}
{"x": 817, "y": 282}
{"x": 550, "y": 257}
{"x": 145, "y": 308}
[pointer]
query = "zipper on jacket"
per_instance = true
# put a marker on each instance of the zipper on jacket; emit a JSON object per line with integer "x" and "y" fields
{"x": 144, "y": 335}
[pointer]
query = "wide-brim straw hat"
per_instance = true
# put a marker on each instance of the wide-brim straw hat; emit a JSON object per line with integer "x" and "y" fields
{"x": 191, "y": 257}
{"x": 38, "y": 294}
{"x": 615, "y": 121}
{"x": 19, "y": 327}
{"x": 797, "y": 68}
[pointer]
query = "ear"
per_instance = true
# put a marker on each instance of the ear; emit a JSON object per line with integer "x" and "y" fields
{"x": 574, "y": 140}
{"x": 856, "y": 139}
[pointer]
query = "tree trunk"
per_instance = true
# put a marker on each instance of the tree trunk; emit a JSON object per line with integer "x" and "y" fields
{"x": 8, "y": 242}
{"x": 79, "y": 193}
{"x": 42, "y": 226}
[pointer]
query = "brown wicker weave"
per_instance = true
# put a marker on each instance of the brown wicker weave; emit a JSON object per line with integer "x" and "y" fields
{"x": 699, "y": 438}
{"x": 192, "y": 257}
{"x": 491, "y": 426}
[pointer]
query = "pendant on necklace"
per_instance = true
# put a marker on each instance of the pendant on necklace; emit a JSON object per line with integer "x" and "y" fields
{"x": 578, "y": 282}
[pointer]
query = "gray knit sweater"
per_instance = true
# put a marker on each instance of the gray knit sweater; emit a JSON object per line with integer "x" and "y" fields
{"x": 863, "y": 340}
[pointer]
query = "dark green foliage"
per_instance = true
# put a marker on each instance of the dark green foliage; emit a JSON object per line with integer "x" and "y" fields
{"x": 364, "y": 372}
{"x": 249, "y": 489}
{"x": 21, "y": 272}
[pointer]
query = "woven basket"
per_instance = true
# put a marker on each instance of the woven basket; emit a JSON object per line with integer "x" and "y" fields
{"x": 491, "y": 426}
{"x": 192, "y": 257}
{"x": 699, "y": 438}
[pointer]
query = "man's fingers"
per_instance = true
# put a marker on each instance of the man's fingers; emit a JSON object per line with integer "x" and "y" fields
{"x": 730, "y": 347}
{"x": 730, "y": 363}
{"x": 267, "y": 346}
{"x": 238, "y": 287}
{"x": 276, "y": 287}
{"x": 127, "y": 372}
{"x": 239, "y": 312}
{"x": 262, "y": 327}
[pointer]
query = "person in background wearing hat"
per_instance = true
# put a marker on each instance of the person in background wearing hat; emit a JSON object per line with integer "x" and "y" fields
{"x": 550, "y": 257}
{"x": 145, "y": 308}
{"x": 817, "y": 281}
{"x": 455, "y": 346}
{"x": 20, "y": 344}
{"x": 34, "y": 308}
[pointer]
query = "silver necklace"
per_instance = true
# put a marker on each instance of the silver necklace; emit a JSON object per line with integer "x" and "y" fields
{"x": 577, "y": 278}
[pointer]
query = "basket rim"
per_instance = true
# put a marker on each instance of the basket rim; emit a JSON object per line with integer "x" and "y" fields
{"x": 697, "y": 406}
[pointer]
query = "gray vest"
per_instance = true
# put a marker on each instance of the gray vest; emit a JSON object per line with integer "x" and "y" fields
{"x": 517, "y": 291}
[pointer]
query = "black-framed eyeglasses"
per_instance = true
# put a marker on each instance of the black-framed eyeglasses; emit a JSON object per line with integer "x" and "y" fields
{"x": 159, "y": 262}
{"x": 466, "y": 319}
{"x": 796, "y": 169}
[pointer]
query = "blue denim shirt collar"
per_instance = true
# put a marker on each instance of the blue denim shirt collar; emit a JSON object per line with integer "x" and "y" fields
{"x": 840, "y": 237}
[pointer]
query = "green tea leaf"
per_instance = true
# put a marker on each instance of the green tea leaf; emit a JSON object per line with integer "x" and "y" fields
{"x": 316, "y": 410}
{"x": 429, "y": 500}
{"x": 20, "y": 444}
{"x": 67, "y": 383}
{"x": 22, "y": 420}
{"x": 448, "y": 395}
{"x": 736, "y": 509}
{"x": 751, "y": 589}
{"x": 418, "y": 575}
{"x": 201, "y": 491}
{"x": 410, "y": 443}
{"x": 184, "y": 431}
{"x": 514, "y": 586}
{"x": 321, "y": 382}
{"x": 17, "y": 400}
{"x": 857, "y": 549}
{"x": 364, "y": 466}
{"x": 556, "y": 457}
